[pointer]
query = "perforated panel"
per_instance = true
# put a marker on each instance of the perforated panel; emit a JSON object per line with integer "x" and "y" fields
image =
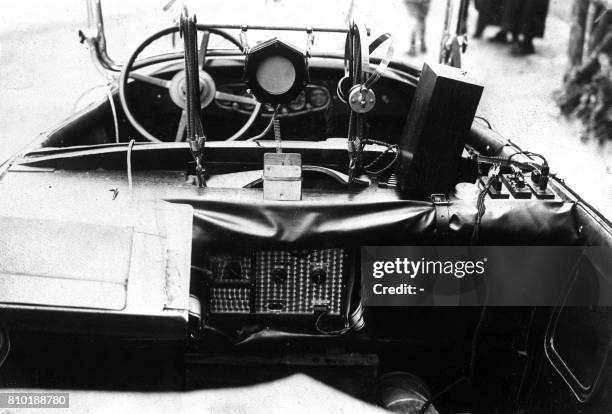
{"x": 299, "y": 293}
{"x": 230, "y": 268}
{"x": 229, "y": 300}
{"x": 250, "y": 283}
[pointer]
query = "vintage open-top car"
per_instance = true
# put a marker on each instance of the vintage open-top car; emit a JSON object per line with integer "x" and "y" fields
{"x": 202, "y": 229}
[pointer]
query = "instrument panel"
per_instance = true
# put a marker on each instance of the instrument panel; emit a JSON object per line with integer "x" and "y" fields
{"x": 277, "y": 282}
{"x": 313, "y": 98}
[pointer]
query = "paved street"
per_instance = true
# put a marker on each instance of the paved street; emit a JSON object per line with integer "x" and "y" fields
{"x": 43, "y": 69}
{"x": 518, "y": 100}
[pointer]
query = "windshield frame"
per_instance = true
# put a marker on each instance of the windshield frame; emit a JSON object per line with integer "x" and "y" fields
{"x": 95, "y": 36}
{"x": 453, "y": 42}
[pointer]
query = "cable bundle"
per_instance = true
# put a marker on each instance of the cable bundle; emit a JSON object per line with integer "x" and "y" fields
{"x": 480, "y": 203}
{"x": 194, "y": 130}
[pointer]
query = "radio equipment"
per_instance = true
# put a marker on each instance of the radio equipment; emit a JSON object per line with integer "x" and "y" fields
{"x": 433, "y": 138}
{"x": 278, "y": 282}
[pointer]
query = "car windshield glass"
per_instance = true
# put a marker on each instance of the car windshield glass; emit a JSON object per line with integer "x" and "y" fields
{"x": 129, "y": 22}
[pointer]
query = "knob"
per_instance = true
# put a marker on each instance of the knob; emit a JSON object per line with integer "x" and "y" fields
{"x": 318, "y": 274}
{"x": 279, "y": 275}
{"x": 232, "y": 270}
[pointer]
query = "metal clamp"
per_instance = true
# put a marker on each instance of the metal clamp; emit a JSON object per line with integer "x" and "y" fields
{"x": 310, "y": 40}
{"x": 197, "y": 149}
{"x": 244, "y": 42}
{"x": 354, "y": 145}
{"x": 441, "y": 204}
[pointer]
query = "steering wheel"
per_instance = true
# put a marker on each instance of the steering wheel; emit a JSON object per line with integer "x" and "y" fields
{"x": 176, "y": 86}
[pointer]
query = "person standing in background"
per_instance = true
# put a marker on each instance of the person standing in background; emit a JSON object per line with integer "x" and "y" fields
{"x": 490, "y": 13}
{"x": 418, "y": 11}
{"x": 526, "y": 19}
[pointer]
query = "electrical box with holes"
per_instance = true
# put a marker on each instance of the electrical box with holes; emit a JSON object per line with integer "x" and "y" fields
{"x": 277, "y": 282}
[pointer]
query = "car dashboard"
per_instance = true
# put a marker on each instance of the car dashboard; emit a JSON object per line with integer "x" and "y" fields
{"x": 315, "y": 114}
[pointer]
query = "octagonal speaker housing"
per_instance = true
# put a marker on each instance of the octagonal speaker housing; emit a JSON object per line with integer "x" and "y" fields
{"x": 276, "y": 71}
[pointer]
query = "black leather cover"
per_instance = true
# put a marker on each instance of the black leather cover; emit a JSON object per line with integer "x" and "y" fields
{"x": 372, "y": 217}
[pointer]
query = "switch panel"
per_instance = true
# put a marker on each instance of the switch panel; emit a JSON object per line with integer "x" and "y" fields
{"x": 516, "y": 185}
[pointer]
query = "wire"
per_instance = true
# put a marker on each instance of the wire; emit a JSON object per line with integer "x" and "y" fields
{"x": 111, "y": 101}
{"x": 510, "y": 143}
{"x": 248, "y": 125}
{"x": 446, "y": 389}
{"x": 263, "y": 133}
{"x": 530, "y": 155}
{"x": 347, "y": 327}
{"x": 82, "y": 96}
{"x": 480, "y": 210}
{"x": 520, "y": 150}
{"x": 268, "y": 128}
{"x": 507, "y": 161}
{"x": 129, "y": 164}
{"x": 109, "y": 94}
{"x": 485, "y": 120}
{"x": 390, "y": 147}
{"x": 480, "y": 203}
{"x": 533, "y": 154}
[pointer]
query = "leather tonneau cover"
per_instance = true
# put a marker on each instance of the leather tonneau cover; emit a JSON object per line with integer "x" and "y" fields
{"x": 244, "y": 219}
